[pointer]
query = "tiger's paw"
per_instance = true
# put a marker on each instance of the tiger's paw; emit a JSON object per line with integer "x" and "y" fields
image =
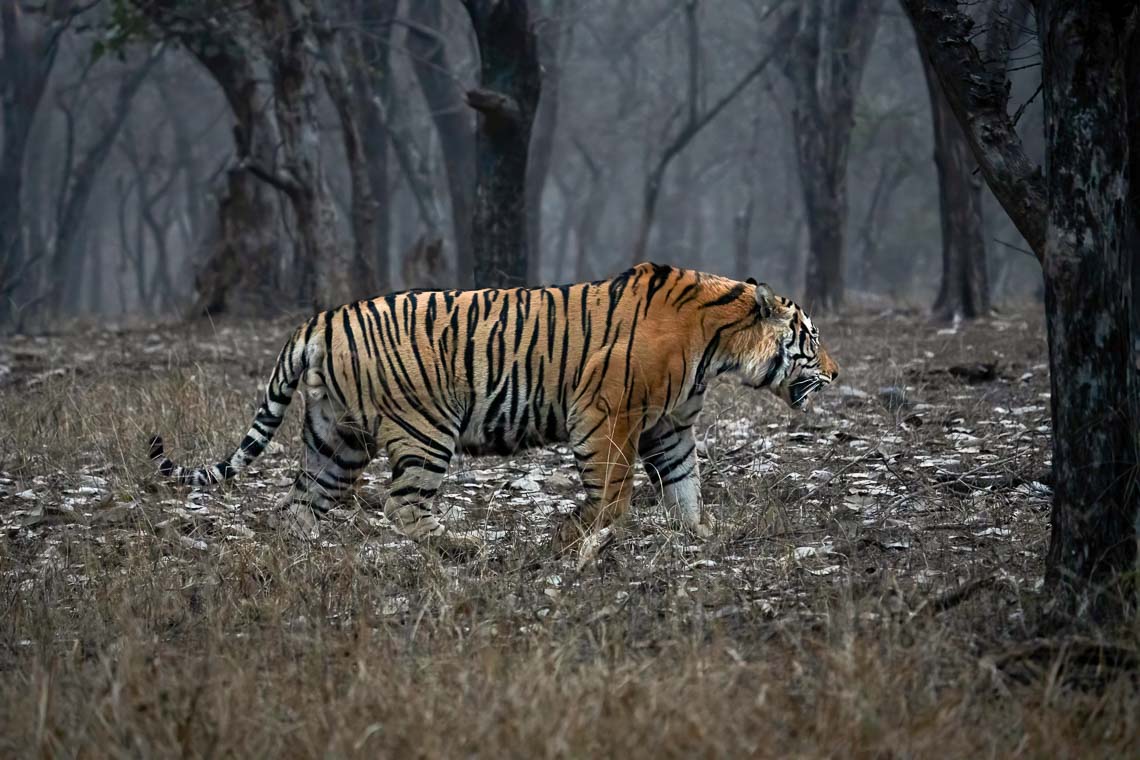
{"x": 298, "y": 519}
{"x": 706, "y": 528}
{"x": 567, "y": 536}
{"x": 594, "y": 545}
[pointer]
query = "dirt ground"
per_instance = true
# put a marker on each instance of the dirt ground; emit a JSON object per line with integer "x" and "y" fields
{"x": 874, "y": 586}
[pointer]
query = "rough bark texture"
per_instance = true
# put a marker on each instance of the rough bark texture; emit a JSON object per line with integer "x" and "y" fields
{"x": 826, "y": 66}
{"x": 964, "y": 291}
{"x": 977, "y": 91}
{"x": 1088, "y": 269}
{"x": 510, "y": 83}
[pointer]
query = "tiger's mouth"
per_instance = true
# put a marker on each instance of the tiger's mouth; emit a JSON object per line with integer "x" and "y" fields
{"x": 800, "y": 391}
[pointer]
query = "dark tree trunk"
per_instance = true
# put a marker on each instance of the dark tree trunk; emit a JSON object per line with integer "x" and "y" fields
{"x": 964, "y": 291}
{"x": 1088, "y": 275}
{"x": 830, "y": 51}
{"x": 510, "y": 83}
{"x": 238, "y": 274}
{"x": 452, "y": 122}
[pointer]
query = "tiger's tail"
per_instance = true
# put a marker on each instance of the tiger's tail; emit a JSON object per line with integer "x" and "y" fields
{"x": 291, "y": 363}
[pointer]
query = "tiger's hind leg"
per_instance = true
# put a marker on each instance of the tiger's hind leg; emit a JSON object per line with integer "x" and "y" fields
{"x": 418, "y": 469}
{"x": 669, "y": 453}
{"x": 336, "y": 451}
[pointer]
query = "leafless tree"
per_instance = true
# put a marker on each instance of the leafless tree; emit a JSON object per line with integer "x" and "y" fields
{"x": 510, "y": 84}
{"x": 831, "y": 45}
{"x": 1078, "y": 219}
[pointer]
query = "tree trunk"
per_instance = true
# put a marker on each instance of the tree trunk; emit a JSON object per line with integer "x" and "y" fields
{"x": 831, "y": 47}
{"x": 1088, "y": 275}
{"x": 510, "y": 83}
{"x": 452, "y": 122}
{"x": 242, "y": 250}
{"x": 964, "y": 291}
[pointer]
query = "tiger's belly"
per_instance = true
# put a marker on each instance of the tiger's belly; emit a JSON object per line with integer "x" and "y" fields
{"x": 505, "y": 436}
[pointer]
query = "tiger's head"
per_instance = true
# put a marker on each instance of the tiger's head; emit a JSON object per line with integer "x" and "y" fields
{"x": 782, "y": 352}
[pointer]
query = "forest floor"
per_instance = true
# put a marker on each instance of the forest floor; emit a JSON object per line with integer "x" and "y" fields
{"x": 874, "y": 587}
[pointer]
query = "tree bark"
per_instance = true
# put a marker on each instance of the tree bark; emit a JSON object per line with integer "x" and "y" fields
{"x": 510, "y": 83}
{"x": 453, "y": 124}
{"x": 831, "y": 48}
{"x": 964, "y": 292}
{"x": 1088, "y": 275}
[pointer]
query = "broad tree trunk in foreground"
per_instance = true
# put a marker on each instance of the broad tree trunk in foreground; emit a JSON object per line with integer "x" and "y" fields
{"x": 826, "y": 66}
{"x": 965, "y": 289}
{"x": 1079, "y": 221}
{"x": 510, "y": 82}
{"x": 1088, "y": 300}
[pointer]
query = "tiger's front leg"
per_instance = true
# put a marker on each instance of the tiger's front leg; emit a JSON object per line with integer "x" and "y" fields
{"x": 669, "y": 454}
{"x": 605, "y": 450}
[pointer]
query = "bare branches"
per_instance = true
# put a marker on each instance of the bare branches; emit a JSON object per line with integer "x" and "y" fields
{"x": 693, "y": 126}
{"x": 979, "y": 96}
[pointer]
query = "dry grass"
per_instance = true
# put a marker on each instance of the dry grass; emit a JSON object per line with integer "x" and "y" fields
{"x": 819, "y": 621}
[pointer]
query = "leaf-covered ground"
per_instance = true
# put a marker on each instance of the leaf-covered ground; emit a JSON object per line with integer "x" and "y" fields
{"x": 872, "y": 585}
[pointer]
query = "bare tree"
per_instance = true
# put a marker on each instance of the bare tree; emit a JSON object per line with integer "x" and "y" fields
{"x": 66, "y": 264}
{"x": 452, "y": 122}
{"x": 1080, "y": 223}
{"x": 510, "y": 83}
{"x": 831, "y": 46}
{"x": 28, "y": 34}
{"x": 697, "y": 119}
{"x": 964, "y": 291}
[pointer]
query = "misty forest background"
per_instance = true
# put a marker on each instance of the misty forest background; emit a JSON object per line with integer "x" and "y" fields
{"x": 171, "y": 159}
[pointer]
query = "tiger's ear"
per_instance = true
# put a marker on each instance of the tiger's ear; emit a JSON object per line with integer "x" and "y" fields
{"x": 751, "y": 281}
{"x": 765, "y": 299}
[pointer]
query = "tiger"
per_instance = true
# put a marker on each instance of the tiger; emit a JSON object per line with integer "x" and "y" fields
{"x": 617, "y": 369}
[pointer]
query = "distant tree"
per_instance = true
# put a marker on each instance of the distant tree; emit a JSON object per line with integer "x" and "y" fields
{"x": 1080, "y": 218}
{"x": 510, "y": 83}
{"x": 825, "y": 68}
{"x": 696, "y": 118}
{"x": 28, "y": 36}
{"x": 453, "y": 123}
{"x": 276, "y": 55}
{"x": 965, "y": 289}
